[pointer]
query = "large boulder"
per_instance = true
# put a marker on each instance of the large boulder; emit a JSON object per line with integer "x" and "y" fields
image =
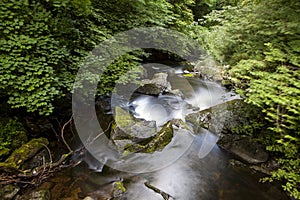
{"x": 208, "y": 70}
{"x": 234, "y": 121}
{"x": 244, "y": 148}
{"x": 128, "y": 130}
{"x": 26, "y": 151}
{"x": 232, "y": 117}
{"x": 157, "y": 143}
{"x": 157, "y": 85}
{"x": 134, "y": 135}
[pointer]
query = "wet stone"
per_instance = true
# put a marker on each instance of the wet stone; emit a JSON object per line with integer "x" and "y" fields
{"x": 36, "y": 195}
{"x": 8, "y": 192}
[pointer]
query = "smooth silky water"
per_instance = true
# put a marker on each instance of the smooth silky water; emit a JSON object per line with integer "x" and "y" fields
{"x": 195, "y": 175}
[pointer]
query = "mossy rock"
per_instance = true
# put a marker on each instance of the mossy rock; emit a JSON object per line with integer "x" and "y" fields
{"x": 123, "y": 119}
{"x": 149, "y": 89}
{"x": 157, "y": 143}
{"x": 118, "y": 189}
{"x": 26, "y": 151}
{"x": 245, "y": 148}
{"x": 128, "y": 130}
{"x": 232, "y": 117}
{"x": 10, "y": 168}
{"x": 37, "y": 195}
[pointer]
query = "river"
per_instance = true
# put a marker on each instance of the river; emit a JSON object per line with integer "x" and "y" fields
{"x": 208, "y": 174}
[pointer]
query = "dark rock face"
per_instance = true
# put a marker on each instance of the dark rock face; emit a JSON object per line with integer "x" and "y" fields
{"x": 233, "y": 121}
{"x": 149, "y": 89}
{"x": 244, "y": 148}
{"x": 226, "y": 118}
{"x": 156, "y": 86}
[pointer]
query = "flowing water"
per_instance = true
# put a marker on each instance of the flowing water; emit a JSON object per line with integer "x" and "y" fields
{"x": 201, "y": 172}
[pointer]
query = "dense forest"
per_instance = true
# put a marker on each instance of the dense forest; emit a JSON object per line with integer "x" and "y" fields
{"x": 256, "y": 43}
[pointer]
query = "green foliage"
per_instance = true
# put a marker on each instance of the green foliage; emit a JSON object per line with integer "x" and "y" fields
{"x": 261, "y": 44}
{"x": 40, "y": 50}
{"x": 42, "y": 43}
{"x": 121, "y": 15}
{"x": 28, "y": 54}
{"x": 12, "y": 134}
{"x": 124, "y": 70}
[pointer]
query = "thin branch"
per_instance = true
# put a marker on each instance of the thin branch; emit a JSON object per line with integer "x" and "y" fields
{"x": 97, "y": 136}
{"x": 49, "y": 152}
{"x": 62, "y": 134}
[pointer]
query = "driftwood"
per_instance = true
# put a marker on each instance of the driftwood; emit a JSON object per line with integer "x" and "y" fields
{"x": 165, "y": 195}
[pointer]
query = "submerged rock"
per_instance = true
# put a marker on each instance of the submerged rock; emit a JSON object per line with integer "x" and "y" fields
{"x": 164, "y": 195}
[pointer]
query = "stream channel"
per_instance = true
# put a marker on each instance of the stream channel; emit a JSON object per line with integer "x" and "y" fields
{"x": 195, "y": 170}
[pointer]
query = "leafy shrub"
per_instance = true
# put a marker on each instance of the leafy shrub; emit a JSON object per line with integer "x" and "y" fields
{"x": 12, "y": 134}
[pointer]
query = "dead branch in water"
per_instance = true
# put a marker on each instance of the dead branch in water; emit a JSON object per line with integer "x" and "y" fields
{"x": 165, "y": 195}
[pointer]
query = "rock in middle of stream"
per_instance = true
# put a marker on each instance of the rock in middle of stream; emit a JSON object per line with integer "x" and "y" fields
{"x": 133, "y": 135}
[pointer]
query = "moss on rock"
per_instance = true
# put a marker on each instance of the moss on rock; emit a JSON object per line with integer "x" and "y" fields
{"x": 118, "y": 189}
{"x": 158, "y": 143}
{"x": 232, "y": 117}
{"x": 26, "y": 151}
